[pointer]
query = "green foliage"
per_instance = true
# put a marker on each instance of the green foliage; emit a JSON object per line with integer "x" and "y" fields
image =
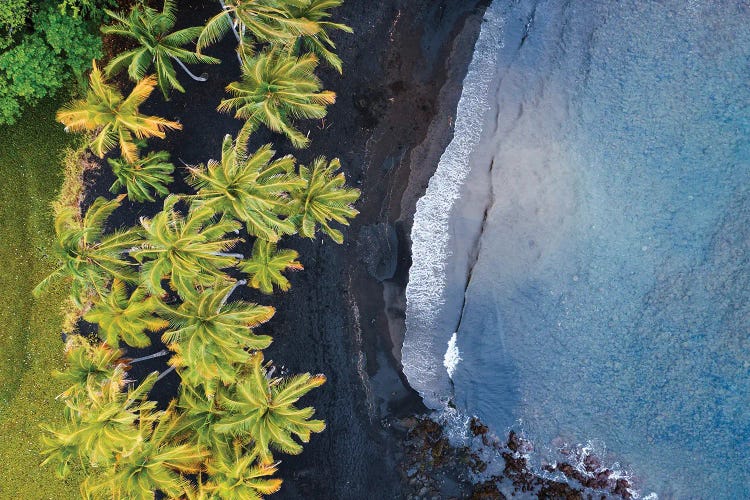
{"x": 143, "y": 178}
{"x": 275, "y": 89}
{"x": 38, "y": 62}
{"x": 252, "y": 188}
{"x": 188, "y": 250}
{"x": 319, "y": 42}
{"x": 211, "y": 338}
{"x": 266, "y": 264}
{"x": 235, "y": 474}
{"x": 324, "y": 197}
{"x": 156, "y": 45}
{"x": 115, "y": 119}
{"x": 126, "y": 318}
{"x": 261, "y": 406}
{"x": 86, "y": 256}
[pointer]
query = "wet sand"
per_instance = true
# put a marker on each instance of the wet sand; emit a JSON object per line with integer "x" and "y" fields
{"x": 403, "y": 70}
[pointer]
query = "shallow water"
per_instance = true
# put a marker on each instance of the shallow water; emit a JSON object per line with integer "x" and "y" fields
{"x": 608, "y": 284}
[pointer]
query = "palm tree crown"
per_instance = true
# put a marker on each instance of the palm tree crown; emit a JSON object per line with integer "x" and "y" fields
{"x": 251, "y": 188}
{"x": 144, "y": 177}
{"x": 263, "y": 408}
{"x": 151, "y": 29}
{"x": 323, "y": 198}
{"x": 212, "y": 337}
{"x": 319, "y": 42}
{"x": 266, "y": 265}
{"x": 237, "y": 475}
{"x": 126, "y": 318}
{"x": 256, "y": 20}
{"x": 275, "y": 89}
{"x": 88, "y": 257}
{"x": 189, "y": 250}
{"x": 114, "y": 118}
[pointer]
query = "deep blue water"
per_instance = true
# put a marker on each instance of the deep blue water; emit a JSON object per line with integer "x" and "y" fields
{"x": 608, "y": 299}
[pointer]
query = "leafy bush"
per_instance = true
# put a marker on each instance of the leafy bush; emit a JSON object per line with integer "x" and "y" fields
{"x": 37, "y": 62}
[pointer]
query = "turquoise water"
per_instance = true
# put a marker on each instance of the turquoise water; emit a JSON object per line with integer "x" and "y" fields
{"x": 608, "y": 298}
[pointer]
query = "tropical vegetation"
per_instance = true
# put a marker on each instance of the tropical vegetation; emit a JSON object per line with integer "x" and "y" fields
{"x": 171, "y": 278}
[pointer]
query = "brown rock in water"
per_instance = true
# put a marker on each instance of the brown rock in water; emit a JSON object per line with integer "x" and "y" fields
{"x": 477, "y": 427}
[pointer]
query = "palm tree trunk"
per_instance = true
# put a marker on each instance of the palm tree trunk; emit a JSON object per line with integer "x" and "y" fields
{"x": 224, "y": 254}
{"x": 230, "y": 292}
{"x": 164, "y": 373}
{"x": 234, "y": 29}
{"x": 190, "y": 74}
{"x": 159, "y": 354}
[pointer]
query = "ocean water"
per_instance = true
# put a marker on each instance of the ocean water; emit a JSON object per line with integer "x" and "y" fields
{"x": 584, "y": 245}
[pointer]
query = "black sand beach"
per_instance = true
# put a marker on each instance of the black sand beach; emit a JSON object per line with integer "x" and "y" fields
{"x": 343, "y": 317}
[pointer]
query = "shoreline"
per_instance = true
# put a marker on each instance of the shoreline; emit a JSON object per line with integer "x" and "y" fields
{"x": 403, "y": 70}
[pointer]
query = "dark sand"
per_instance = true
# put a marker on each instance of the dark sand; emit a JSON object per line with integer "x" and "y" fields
{"x": 403, "y": 70}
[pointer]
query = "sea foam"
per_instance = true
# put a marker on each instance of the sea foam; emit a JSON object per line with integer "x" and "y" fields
{"x": 425, "y": 293}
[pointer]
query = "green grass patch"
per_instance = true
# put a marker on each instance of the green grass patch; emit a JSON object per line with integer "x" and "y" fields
{"x": 31, "y": 155}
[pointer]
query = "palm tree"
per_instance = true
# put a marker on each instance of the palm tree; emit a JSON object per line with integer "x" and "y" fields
{"x": 86, "y": 363}
{"x": 86, "y": 256}
{"x": 266, "y": 265}
{"x": 201, "y": 412}
{"x": 158, "y": 462}
{"x": 275, "y": 89}
{"x": 212, "y": 337}
{"x": 126, "y": 318}
{"x": 102, "y": 421}
{"x": 115, "y": 119}
{"x": 237, "y": 475}
{"x": 251, "y": 188}
{"x": 263, "y": 408}
{"x": 323, "y": 198}
{"x": 319, "y": 42}
{"x": 189, "y": 250}
{"x": 140, "y": 178}
{"x": 151, "y": 29}
{"x": 255, "y": 20}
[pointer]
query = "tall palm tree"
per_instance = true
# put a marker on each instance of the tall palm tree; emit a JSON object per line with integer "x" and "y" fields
{"x": 255, "y": 21}
{"x": 323, "y": 198}
{"x": 86, "y": 363}
{"x": 253, "y": 189}
{"x": 200, "y": 414}
{"x": 159, "y": 461}
{"x": 212, "y": 337}
{"x": 235, "y": 475}
{"x": 189, "y": 250}
{"x": 266, "y": 264}
{"x": 263, "y": 408}
{"x": 156, "y": 45}
{"x": 275, "y": 89}
{"x": 126, "y": 318}
{"x": 86, "y": 256}
{"x": 144, "y": 177}
{"x": 319, "y": 42}
{"x": 102, "y": 421}
{"x": 115, "y": 119}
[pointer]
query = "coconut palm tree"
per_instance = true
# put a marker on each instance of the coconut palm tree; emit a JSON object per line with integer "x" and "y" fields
{"x": 200, "y": 413}
{"x": 102, "y": 421}
{"x": 114, "y": 119}
{"x": 144, "y": 177}
{"x": 156, "y": 45}
{"x": 86, "y": 363}
{"x": 86, "y": 256}
{"x": 158, "y": 462}
{"x": 126, "y": 318}
{"x": 211, "y": 337}
{"x": 266, "y": 264}
{"x": 323, "y": 198}
{"x": 319, "y": 42}
{"x": 275, "y": 89}
{"x": 189, "y": 250}
{"x": 236, "y": 475}
{"x": 252, "y": 189}
{"x": 255, "y": 21}
{"x": 263, "y": 408}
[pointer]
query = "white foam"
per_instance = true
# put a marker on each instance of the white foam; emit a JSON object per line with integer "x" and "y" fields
{"x": 425, "y": 292}
{"x": 452, "y": 356}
